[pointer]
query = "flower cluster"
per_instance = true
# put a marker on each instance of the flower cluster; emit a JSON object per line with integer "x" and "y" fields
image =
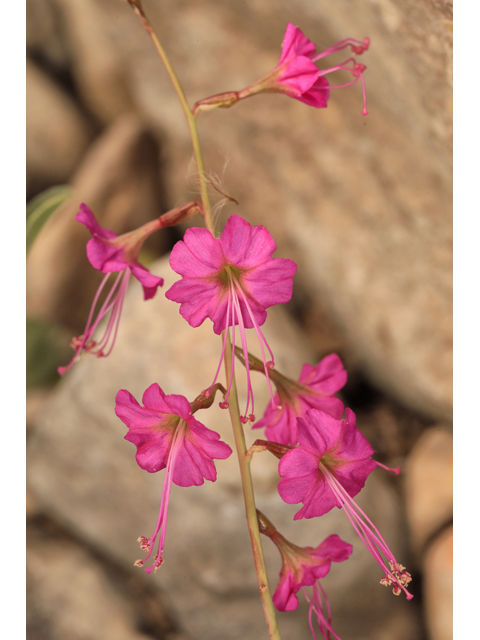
{"x": 232, "y": 280}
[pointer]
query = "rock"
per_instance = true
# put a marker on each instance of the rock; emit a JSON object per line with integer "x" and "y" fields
{"x": 71, "y": 594}
{"x": 98, "y": 69}
{"x": 429, "y": 484}
{"x": 57, "y": 132}
{"x": 45, "y": 34}
{"x": 119, "y": 180}
{"x": 362, "y": 204}
{"x": 438, "y": 586}
{"x": 84, "y": 473}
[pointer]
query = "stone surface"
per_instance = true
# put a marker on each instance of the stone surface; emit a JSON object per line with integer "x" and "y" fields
{"x": 438, "y": 586}
{"x": 84, "y": 474}
{"x": 56, "y": 130}
{"x": 119, "y": 180}
{"x": 72, "y": 594}
{"x": 100, "y": 76}
{"x": 429, "y": 484}
{"x": 46, "y": 39}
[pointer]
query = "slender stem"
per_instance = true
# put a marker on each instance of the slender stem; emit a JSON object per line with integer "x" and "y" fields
{"x": 250, "y": 507}
{"x": 137, "y": 7}
{"x": 244, "y": 460}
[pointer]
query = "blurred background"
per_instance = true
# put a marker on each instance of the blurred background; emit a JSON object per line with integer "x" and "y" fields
{"x": 362, "y": 204}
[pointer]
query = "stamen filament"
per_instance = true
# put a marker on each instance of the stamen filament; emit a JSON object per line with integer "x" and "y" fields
{"x": 364, "y": 527}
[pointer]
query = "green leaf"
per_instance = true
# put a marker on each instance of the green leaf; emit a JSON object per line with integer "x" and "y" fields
{"x": 41, "y": 208}
{"x": 47, "y": 347}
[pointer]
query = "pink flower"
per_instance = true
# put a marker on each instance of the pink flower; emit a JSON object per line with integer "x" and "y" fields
{"x": 110, "y": 253}
{"x": 328, "y": 468}
{"x": 304, "y": 567}
{"x": 231, "y": 280}
{"x": 168, "y": 436}
{"x": 314, "y": 390}
{"x": 297, "y": 75}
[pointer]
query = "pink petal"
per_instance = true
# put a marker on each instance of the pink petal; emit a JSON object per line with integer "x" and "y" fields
{"x": 272, "y": 282}
{"x": 149, "y": 282}
{"x": 199, "y": 255}
{"x": 132, "y": 414}
{"x": 328, "y": 377}
{"x": 317, "y": 95}
{"x": 104, "y": 257}
{"x": 299, "y": 76}
{"x": 295, "y": 44}
{"x": 284, "y": 597}
{"x": 246, "y": 246}
{"x": 87, "y": 217}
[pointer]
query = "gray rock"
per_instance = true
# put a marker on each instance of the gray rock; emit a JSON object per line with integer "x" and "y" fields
{"x": 71, "y": 594}
{"x": 85, "y": 475}
{"x": 99, "y": 73}
{"x": 438, "y": 586}
{"x": 429, "y": 484}
{"x": 56, "y": 130}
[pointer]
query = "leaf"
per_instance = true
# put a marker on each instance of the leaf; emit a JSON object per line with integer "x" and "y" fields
{"x": 47, "y": 347}
{"x": 41, "y": 208}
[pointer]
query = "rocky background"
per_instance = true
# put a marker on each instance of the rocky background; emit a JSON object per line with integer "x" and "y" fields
{"x": 362, "y": 204}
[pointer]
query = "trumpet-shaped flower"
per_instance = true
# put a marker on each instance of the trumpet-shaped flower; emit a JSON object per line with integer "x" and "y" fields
{"x": 328, "y": 468}
{"x": 167, "y": 436}
{"x": 314, "y": 390}
{"x": 110, "y": 253}
{"x": 304, "y": 567}
{"x": 232, "y": 280}
{"x": 297, "y": 75}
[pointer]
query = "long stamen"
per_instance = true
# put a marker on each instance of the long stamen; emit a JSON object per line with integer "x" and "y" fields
{"x": 365, "y": 528}
{"x": 316, "y": 606}
{"x": 262, "y": 341}
{"x": 357, "y": 70}
{"x": 163, "y": 513}
{"x": 243, "y": 337}
{"x": 357, "y": 46}
{"x": 225, "y": 332}
{"x": 114, "y": 319}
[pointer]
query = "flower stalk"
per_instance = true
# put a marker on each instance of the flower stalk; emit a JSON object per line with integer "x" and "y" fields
{"x": 244, "y": 460}
{"x": 250, "y": 508}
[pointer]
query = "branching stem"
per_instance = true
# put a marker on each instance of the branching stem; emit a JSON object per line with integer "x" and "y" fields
{"x": 244, "y": 460}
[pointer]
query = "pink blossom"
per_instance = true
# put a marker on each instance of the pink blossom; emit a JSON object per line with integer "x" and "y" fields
{"x": 314, "y": 390}
{"x": 304, "y": 567}
{"x": 168, "y": 436}
{"x": 232, "y": 280}
{"x": 110, "y": 253}
{"x": 297, "y": 75}
{"x": 328, "y": 468}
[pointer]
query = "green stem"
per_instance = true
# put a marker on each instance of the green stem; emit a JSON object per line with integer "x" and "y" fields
{"x": 249, "y": 497}
{"x": 207, "y": 209}
{"x": 244, "y": 460}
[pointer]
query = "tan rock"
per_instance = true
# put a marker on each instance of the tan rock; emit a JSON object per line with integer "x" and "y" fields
{"x": 71, "y": 595}
{"x": 45, "y": 34}
{"x": 56, "y": 130}
{"x": 97, "y": 66}
{"x": 85, "y": 474}
{"x": 429, "y": 484}
{"x": 438, "y": 586}
{"x": 118, "y": 179}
